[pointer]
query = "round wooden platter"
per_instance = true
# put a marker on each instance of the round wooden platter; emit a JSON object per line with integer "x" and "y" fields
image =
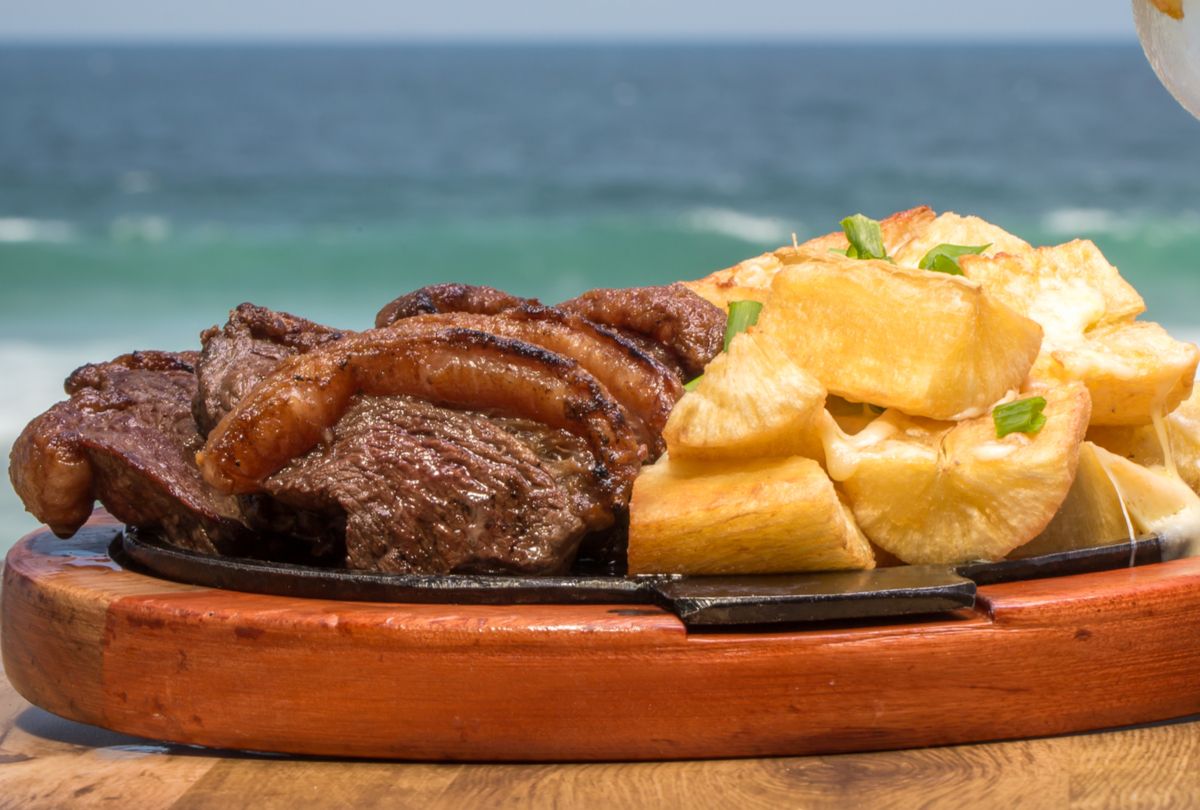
{"x": 90, "y": 641}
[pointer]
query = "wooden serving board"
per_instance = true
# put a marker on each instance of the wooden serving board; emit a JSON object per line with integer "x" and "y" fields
{"x": 90, "y": 641}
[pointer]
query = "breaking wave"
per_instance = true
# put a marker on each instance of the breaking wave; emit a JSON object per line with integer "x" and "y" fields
{"x": 140, "y": 228}
{"x": 746, "y": 227}
{"x": 1069, "y": 223}
{"x": 26, "y": 229}
{"x": 38, "y": 371}
{"x": 125, "y": 228}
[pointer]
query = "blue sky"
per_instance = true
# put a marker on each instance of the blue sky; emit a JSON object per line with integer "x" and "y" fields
{"x": 575, "y": 19}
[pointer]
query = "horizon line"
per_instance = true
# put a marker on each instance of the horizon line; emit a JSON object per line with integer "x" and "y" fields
{"x": 883, "y": 38}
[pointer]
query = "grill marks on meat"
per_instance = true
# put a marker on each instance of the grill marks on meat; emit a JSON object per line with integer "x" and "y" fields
{"x": 688, "y": 327}
{"x": 239, "y": 355}
{"x": 293, "y": 410}
{"x": 394, "y": 475}
{"x": 671, "y": 323}
{"x": 478, "y": 432}
{"x": 126, "y": 437}
{"x": 435, "y": 298}
{"x": 643, "y": 386}
{"x": 424, "y": 489}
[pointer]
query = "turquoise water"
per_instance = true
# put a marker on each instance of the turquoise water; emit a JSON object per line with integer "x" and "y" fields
{"x": 144, "y": 191}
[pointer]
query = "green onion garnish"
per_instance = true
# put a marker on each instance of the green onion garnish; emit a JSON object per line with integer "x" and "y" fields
{"x": 865, "y": 237}
{"x": 691, "y": 386}
{"x": 944, "y": 258}
{"x": 1022, "y": 416}
{"x": 742, "y": 315}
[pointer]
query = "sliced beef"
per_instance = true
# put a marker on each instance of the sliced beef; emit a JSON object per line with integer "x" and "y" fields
{"x": 238, "y": 355}
{"x": 418, "y": 488}
{"x": 571, "y": 464}
{"x": 475, "y": 299}
{"x": 689, "y": 329}
{"x": 569, "y": 461}
{"x": 294, "y": 409}
{"x": 477, "y": 432}
{"x": 672, "y": 324}
{"x": 126, "y": 438}
{"x": 642, "y": 385}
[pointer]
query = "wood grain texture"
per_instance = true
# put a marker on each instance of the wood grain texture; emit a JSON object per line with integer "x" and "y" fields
{"x": 429, "y": 682}
{"x": 53, "y": 634}
{"x": 49, "y": 762}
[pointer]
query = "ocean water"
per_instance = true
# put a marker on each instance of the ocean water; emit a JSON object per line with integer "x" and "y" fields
{"x": 145, "y": 190}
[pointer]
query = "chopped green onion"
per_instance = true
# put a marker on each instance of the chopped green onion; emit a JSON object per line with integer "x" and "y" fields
{"x": 944, "y": 264}
{"x": 1022, "y": 416}
{"x": 944, "y": 258}
{"x": 742, "y": 315}
{"x": 865, "y": 237}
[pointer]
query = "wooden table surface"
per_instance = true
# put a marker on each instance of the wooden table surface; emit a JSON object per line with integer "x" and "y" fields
{"x": 46, "y": 761}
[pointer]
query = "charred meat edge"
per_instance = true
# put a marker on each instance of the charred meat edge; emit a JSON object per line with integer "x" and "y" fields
{"x": 435, "y": 298}
{"x": 247, "y": 348}
{"x": 71, "y": 455}
{"x": 294, "y": 408}
{"x": 689, "y": 327}
{"x": 643, "y": 386}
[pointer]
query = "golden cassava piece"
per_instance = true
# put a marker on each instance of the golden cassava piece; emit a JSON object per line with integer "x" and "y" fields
{"x": 752, "y": 402}
{"x": 936, "y": 322}
{"x": 753, "y": 517}
{"x": 939, "y": 492}
{"x": 929, "y": 344}
{"x": 1132, "y": 368}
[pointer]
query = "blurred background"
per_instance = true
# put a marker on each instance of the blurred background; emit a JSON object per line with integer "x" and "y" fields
{"x": 160, "y": 164}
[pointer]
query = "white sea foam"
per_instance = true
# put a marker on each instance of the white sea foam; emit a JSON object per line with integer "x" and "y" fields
{"x": 747, "y": 227}
{"x": 26, "y": 229}
{"x": 33, "y": 377}
{"x": 1070, "y": 222}
{"x": 140, "y": 228}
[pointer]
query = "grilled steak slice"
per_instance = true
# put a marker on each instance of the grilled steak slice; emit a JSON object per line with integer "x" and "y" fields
{"x": 237, "y": 356}
{"x": 126, "y": 437}
{"x": 423, "y": 489}
{"x": 292, "y": 410}
{"x": 671, "y": 324}
{"x": 689, "y": 328}
{"x": 478, "y": 300}
{"x": 479, "y": 432}
{"x": 642, "y": 385}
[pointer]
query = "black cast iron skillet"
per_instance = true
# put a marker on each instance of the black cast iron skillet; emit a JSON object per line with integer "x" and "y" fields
{"x": 711, "y": 601}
